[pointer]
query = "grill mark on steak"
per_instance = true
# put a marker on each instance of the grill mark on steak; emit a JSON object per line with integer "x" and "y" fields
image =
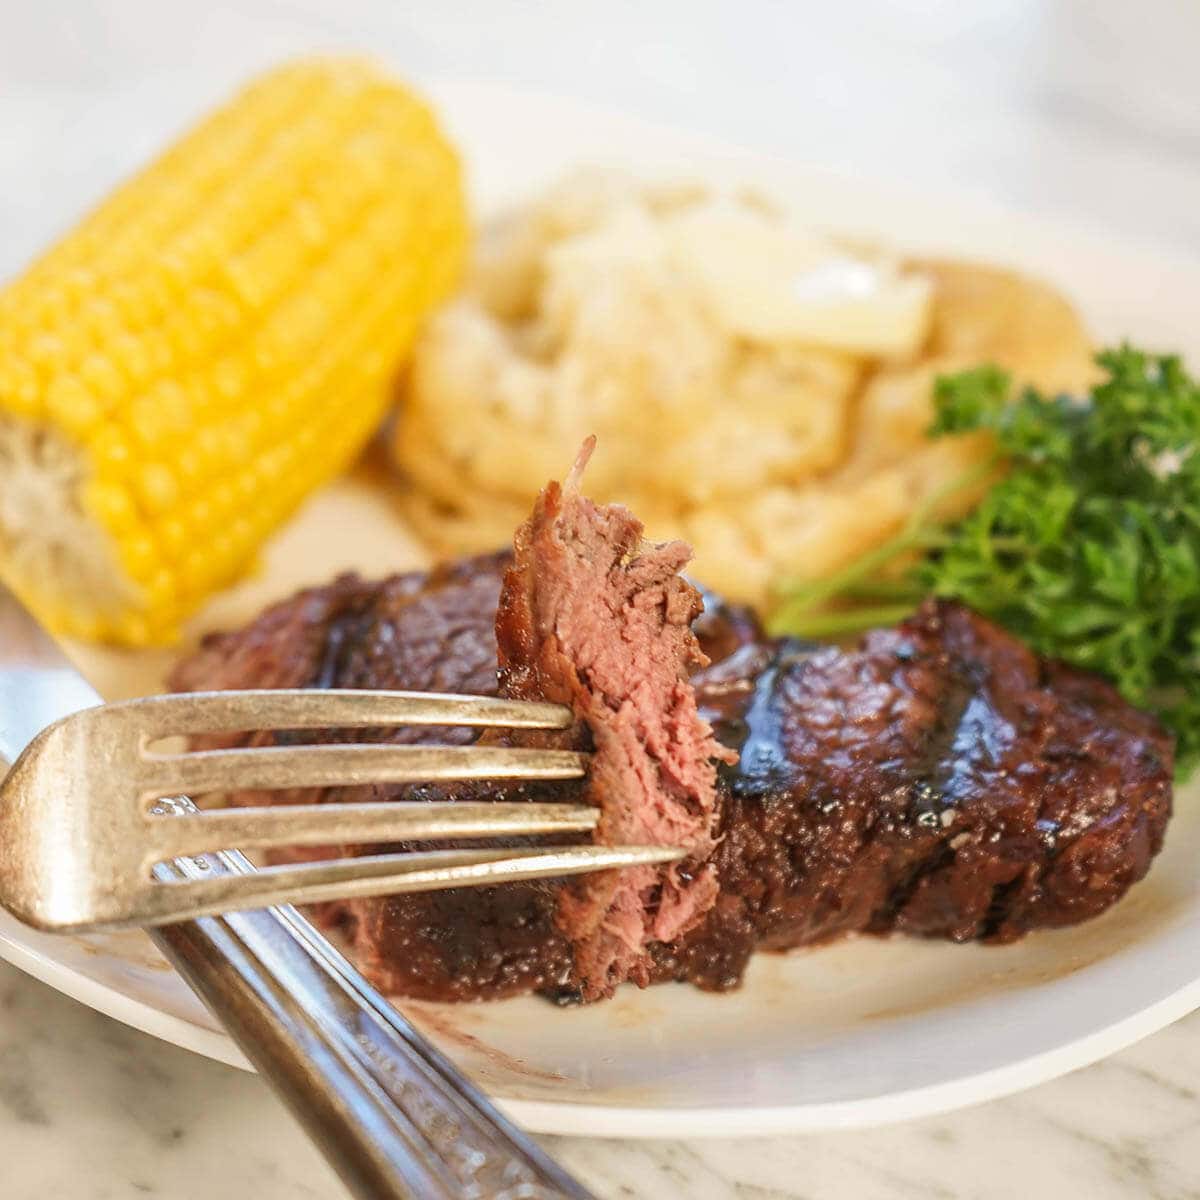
{"x": 345, "y": 630}
{"x": 932, "y": 769}
{"x": 1061, "y": 791}
{"x": 884, "y": 920}
{"x": 1003, "y": 895}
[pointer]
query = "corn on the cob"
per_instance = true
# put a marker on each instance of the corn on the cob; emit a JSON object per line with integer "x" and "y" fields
{"x": 219, "y": 337}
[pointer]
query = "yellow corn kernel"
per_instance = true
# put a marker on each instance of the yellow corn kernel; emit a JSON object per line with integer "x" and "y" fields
{"x": 157, "y": 489}
{"x": 112, "y": 508}
{"x": 170, "y": 370}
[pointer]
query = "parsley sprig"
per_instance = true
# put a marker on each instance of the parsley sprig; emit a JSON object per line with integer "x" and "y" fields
{"x": 1087, "y": 547}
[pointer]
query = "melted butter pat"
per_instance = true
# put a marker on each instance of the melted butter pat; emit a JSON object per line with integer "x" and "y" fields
{"x": 766, "y": 280}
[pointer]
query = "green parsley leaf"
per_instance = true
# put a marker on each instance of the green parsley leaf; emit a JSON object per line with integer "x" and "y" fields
{"x": 1088, "y": 547}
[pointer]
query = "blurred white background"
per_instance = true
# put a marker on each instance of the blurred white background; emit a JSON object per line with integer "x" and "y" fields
{"x": 1084, "y": 107}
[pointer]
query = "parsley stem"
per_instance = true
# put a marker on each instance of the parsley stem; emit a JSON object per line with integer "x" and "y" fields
{"x": 897, "y": 590}
{"x": 919, "y": 532}
{"x": 846, "y": 621}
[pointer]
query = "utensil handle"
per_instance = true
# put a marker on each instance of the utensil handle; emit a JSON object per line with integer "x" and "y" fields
{"x": 391, "y": 1114}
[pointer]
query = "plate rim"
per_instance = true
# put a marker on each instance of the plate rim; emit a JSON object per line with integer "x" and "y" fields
{"x": 626, "y": 1121}
{"x": 578, "y": 1119}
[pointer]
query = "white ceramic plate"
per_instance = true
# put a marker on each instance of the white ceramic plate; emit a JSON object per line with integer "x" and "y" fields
{"x": 861, "y": 1032}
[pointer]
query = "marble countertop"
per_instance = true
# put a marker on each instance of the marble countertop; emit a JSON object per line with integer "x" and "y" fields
{"x": 1085, "y": 107}
{"x": 92, "y": 1110}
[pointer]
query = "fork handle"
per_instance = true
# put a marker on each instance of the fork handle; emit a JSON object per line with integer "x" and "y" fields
{"x": 390, "y": 1113}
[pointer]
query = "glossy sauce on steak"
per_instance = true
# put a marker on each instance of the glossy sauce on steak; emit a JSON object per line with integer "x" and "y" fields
{"x": 939, "y": 780}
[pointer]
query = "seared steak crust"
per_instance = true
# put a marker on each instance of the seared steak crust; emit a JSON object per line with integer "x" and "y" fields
{"x": 939, "y": 781}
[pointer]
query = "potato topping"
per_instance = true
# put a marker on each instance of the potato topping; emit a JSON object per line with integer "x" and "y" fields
{"x": 762, "y": 390}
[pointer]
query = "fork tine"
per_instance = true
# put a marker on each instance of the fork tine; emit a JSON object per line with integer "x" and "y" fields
{"x": 344, "y": 765}
{"x": 309, "y": 708}
{"x": 381, "y": 874}
{"x": 319, "y": 824}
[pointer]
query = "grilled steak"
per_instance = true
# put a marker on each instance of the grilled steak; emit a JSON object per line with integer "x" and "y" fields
{"x": 594, "y": 617}
{"x": 422, "y": 631}
{"x": 939, "y": 780}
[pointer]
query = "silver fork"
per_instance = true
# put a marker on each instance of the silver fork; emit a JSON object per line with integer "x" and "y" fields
{"x": 395, "y": 1119}
{"x": 85, "y": 833}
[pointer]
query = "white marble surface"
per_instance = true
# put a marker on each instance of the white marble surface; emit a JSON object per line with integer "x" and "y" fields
{"x": 91, "y": 1110}
{"x": 1086, "y": 107}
